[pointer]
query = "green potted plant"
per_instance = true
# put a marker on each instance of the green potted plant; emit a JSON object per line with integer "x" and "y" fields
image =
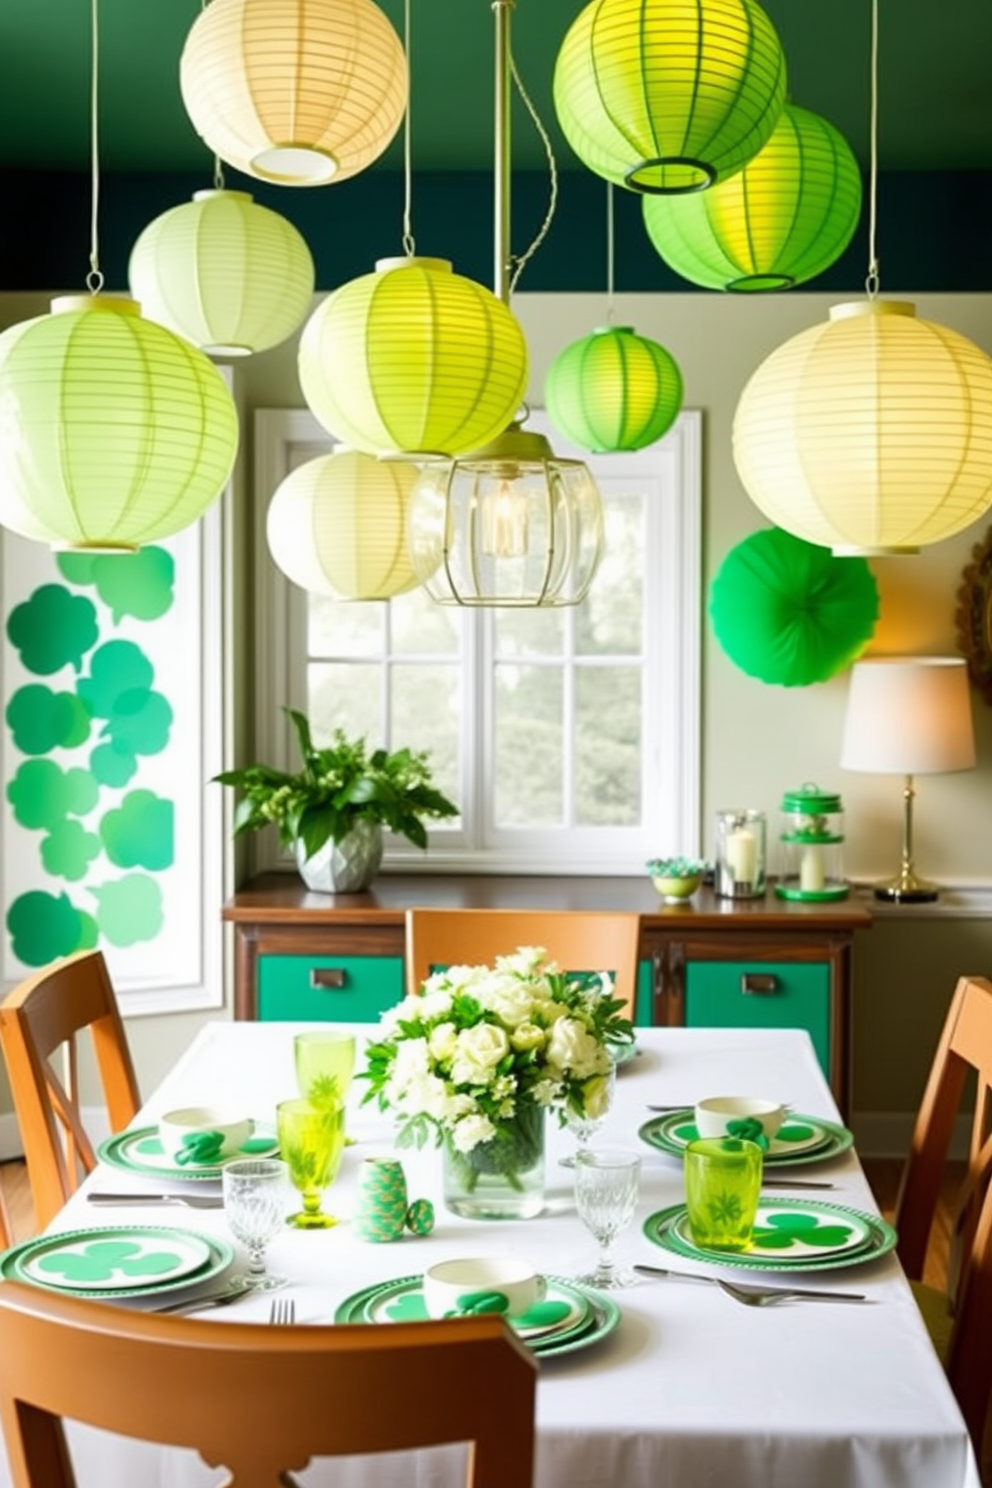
{"x": 333, "y": 809}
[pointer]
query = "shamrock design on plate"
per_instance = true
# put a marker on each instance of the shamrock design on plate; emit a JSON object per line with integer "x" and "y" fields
{"x": 102, "y": 1260}
{"x": 782, "y": 1231}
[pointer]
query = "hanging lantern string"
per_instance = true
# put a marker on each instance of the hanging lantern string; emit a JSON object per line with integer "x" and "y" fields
{"x": 94, "y": 279}
{"x": 542, "y": 232}
{"x": 609, "y": 253}
{"x": 409, "y": 246}
{"x": 218, "y": 174}
{"x": 872, "y": 282}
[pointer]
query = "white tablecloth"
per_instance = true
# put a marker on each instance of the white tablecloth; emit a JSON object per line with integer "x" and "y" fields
{"x": 692, "y": 1390}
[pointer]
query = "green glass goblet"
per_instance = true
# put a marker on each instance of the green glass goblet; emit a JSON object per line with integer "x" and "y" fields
{"x": 325, "y": 1062}
{"x": 311, "y": 1140}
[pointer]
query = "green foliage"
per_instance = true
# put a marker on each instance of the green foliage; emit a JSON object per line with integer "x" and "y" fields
{"x": 336, "y": 787}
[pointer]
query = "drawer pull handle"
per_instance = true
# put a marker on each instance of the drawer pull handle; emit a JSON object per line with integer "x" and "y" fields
{"x": 754, "y": 984}
{"x": 332, "y": 977}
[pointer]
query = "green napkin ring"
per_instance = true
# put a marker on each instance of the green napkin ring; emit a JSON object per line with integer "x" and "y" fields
{"x": 749, "y": 1129}
{"x": 200, "y": 1147}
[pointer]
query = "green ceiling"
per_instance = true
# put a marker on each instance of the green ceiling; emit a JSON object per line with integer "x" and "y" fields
{"x": 935, "y": 93}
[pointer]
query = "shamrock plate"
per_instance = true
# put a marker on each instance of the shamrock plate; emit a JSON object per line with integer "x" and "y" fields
{"x": 800, "y": 1139}
{"x": 116, "y": 1261}
{"x": 570, "y": 1317}
{"x": 788, "y": 1235}
{"x": 141, "y": 1151}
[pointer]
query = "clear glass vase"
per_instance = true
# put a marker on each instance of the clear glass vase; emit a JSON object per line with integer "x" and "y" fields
{"x": 503, "y": 1178}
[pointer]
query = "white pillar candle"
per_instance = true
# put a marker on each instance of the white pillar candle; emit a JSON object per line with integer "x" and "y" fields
{"x": 742, "y": 855}
{"x": 811, "y": 876}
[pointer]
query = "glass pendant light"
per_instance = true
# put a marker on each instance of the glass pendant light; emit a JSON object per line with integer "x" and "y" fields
{"x": 113, "y": 431}
{"x": 663, "y": 95}
{"x": 298, "y": 92}
{"x": 509, "y": 524}
{"x": 869, "y": 434}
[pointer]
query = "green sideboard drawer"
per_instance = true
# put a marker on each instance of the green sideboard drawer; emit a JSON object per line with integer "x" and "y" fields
{"x": 346, "y": 989}
{"x": 772, "y": 994}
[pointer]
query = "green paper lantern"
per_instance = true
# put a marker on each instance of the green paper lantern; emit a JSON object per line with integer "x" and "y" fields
{"x": 413, "y": 359}
{"x": 789, "y": 612}
{"x": 613, "y": 390}
{"x": 787, "y": 216}
{"x": 669, "y": 95}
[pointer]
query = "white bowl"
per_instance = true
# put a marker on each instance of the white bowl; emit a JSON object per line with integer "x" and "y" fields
{"x": 715, "y": 1113}
{"x": 180, "y": 1130}
{"x": 497, "y": 1284}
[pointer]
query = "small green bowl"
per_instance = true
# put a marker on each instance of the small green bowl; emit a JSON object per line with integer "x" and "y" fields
{"x": 676, "y": 879}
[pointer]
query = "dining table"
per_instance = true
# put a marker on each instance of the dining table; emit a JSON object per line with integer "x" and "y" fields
{"x": 682, "y": 1386}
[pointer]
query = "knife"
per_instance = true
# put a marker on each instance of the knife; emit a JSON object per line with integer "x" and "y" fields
{"x": 208, "y": 1300}
{"x": 191, "y": 1201}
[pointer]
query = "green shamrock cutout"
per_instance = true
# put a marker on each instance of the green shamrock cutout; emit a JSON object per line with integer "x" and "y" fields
{"x": 324, "y": 1092}
{"x": 150, "y": 1146}
{"x": 788, "y": 1229}
{"x": 725, "y": 1209}
{"x": 410, "y": 1308}
{"x": 688, "y": 1133}
{"x": 794, "y": 1131}
{"x": 101, "y": 1260}
{"x": 543, "y": 1315}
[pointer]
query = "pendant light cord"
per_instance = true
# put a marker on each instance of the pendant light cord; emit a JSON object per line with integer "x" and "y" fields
{"x": 609, "y": 253}
{"x": 872, "y": 282}
{"x": 94, "y": 279}
{"x": 542, "y": 232}
{"x": 409, "y": 246}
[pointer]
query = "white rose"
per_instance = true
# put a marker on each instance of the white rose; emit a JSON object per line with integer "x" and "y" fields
{"x": 527, "y": 1036}
{"x": 425, "y": 1095}
{"x": 441, "y": 1041}
{"x": 550, "y": 1011}
{"x": 513, "y": 1004}
{"x": 412, "y": 1061}
{"x": 572, "y": 1047}
{"x": 470, "y": 1131}
{"x": 596, "y": 1097}
{"x": 434, "y": 1004}
{"x": 478, "y": 1051}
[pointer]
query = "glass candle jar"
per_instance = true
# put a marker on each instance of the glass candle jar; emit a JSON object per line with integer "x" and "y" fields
{"x": 740, "y": 854}
{"x": 812, "y": 838}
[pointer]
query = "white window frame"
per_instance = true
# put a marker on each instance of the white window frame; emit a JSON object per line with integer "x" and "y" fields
{"x": 671, "y": 692}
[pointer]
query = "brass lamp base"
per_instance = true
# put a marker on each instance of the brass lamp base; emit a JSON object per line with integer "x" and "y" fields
{"x": 907, "y": 888}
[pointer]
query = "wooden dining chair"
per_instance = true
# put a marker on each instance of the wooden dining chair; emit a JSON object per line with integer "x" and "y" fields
{"x": 6, "y": 1228}
{"x": 257, "y": 1400}
{"x": 39, "y": 1020}
{"x": 577, "y": 940}
{"x": 958, "y": 1315}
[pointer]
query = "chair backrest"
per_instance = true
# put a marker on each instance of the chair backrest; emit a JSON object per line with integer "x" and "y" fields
{"x": 964, "y": 1049}
{"x": 6, "y": 1228}
{"x": 40, "y": 1017}
{"x": 578, "y": 941}
{"x": 260, "y": 1401}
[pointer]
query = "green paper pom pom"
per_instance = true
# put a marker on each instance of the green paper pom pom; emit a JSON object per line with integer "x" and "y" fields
{"x": 788, "y": 612}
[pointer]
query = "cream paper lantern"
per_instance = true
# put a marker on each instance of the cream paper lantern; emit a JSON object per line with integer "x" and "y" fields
{"x": 229, "y": 275}
{"x": 337, "y": 526}
{"x": 871, "y": 433}
{"x": 299, "y": 92}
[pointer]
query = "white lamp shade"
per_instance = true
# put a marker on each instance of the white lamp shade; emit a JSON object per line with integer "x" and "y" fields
{"x": 224, "y": 272}
{"x": 113, "y": 431}
{"x": 299, "y": 92}
{"x": 337, "y": 526}
{"x": 908, "y": 716}
{"x": 871, "y": 433}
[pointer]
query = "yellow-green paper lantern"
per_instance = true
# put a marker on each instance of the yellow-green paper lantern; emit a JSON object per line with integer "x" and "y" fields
{"x": 337, "y": 526}
{"x": 613, "y": 390}
{"x": 230, "y": 275}
{"x": 669, "y": 95}
{"x": 783, "y": 219}
{"x": 413, "y": 359}
{"x": 113, "y": 431}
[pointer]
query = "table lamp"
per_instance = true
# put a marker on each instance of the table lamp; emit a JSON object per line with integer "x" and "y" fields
{"x": 908, "y": 715}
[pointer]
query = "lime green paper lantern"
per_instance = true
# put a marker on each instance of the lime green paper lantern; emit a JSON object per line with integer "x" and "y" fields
{"x": 337, "y": 526}
{"x": 669, "y": 95}
{"x": 228, "y": 274}
{"x": 413, "y": 359}
{"x": 789, "y": 612}
{"x": 783, "y": 219}
{"x": 613, "y": 390}
{"x": 113, "y": 431}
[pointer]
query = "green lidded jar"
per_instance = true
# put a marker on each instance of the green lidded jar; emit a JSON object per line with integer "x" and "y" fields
{"x": 812, "y": 838}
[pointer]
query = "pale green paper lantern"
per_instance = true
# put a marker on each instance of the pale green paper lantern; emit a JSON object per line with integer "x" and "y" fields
{"x": 113, "y": 431}
{"x": 613, "y": 390}
{"x": 337, "y": 526}
{"x": 669, "y": 95}
{"x": 413, "y": 359}
{"x": 228, "y": 274}
{"x": 783, "y": 219}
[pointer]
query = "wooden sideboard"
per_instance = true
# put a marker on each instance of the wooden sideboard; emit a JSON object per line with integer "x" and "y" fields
{"x": 714, "y": 962}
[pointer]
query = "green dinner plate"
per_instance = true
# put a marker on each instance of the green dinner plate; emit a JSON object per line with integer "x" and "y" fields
{"x": 789, "y": 1235}
{"x": 117, "y": 1260}
{"x": 591, "y": 1316}
{"x": 141, "y": 1151}
{"x": 800, "y": 1139}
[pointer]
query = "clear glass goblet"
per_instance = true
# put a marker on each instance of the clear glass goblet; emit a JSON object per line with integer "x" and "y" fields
{"x": 256, "y": 1198}
{"x": 311, "y": 1140}
{"x": 585, "y": 1123}
{"x": 607, "y": 1180}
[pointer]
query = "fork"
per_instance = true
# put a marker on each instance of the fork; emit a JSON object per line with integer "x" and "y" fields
{"x": 282, "y": 1312}
{"x": 767, "y": 1296}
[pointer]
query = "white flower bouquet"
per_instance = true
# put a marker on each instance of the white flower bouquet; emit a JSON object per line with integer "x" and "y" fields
{"x": 482, "y": 1052}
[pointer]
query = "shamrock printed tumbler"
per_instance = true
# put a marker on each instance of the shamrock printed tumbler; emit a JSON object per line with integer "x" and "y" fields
{"x": 722, "y": 1188}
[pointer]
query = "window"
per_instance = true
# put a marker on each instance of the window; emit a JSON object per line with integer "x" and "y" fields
{"x": 569, "y": 737}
